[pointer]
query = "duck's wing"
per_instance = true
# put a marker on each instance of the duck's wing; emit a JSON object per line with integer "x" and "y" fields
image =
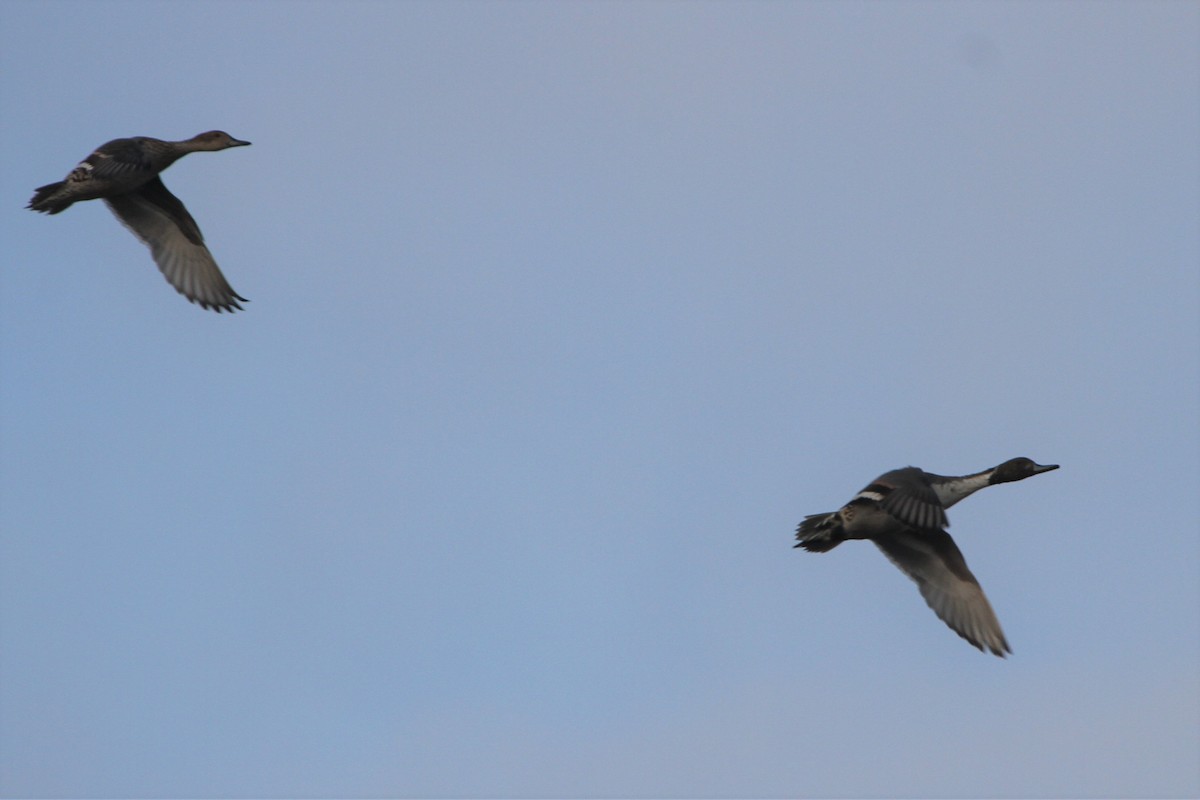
{"x": 907, "y": 496}
{"x": 115, "y": 167}
{"x": 933, "y": 560}
{"x": 117, "y": 160}
{"x": 160, "y": 220}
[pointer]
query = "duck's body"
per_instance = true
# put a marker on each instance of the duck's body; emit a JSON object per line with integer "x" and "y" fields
{"x": 124, "y": 173}
{"x": 904, "y": 513}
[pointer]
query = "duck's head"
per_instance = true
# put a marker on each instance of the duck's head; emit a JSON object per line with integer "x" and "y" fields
{"x": 216, "y": 140}
{"x": 1018, "y": 469}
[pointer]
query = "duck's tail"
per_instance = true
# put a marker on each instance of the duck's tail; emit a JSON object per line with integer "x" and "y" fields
{"x": 44, "y": 199}
{"x": 820, "y": 533}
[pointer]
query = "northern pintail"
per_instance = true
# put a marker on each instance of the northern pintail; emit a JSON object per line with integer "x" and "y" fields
{"x": 124, "y": 173}
{"x": 904, "y": 513}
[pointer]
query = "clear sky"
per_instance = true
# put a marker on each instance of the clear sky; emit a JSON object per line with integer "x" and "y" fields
{"x": 562, "y": 316}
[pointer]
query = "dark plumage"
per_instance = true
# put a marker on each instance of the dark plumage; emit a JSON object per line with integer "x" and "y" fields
{"x": 904, "y": 513}
{"x": 124, "y": 173}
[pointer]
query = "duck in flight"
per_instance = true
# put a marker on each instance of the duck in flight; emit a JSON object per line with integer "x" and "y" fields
{"x": 904, "y": 513}
{"x": 124, "y": 173}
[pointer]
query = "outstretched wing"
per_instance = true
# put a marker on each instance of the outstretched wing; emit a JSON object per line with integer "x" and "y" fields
{"x": 934, "y": 562}
{"x": 905, "y": 494}
{"x": 160, "y": 220}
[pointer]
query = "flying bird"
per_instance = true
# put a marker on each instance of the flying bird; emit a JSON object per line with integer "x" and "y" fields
{"x": 124, "y": 173}
{"x": 904, "y": 513}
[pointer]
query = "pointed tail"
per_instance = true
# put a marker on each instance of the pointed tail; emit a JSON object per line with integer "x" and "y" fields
{"x": 820, "y": 533}
{"x": 44, "y": 199}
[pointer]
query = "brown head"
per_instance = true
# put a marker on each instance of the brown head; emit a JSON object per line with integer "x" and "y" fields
{"x": 1018, "y": 469}
{"x": 214, "y": 140}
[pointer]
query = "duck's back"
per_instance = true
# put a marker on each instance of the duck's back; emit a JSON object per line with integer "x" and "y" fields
{"x": 114, "y": 168}
{"x": 123, "y": 165}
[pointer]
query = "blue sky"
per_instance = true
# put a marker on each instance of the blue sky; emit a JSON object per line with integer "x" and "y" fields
{"x": 562, "y": 316}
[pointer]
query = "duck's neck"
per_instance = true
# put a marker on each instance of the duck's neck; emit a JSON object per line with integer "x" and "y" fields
{"x": 162, "y": 154}
{"x": 190, "y": 146}
{"x": 951, "y": 490}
